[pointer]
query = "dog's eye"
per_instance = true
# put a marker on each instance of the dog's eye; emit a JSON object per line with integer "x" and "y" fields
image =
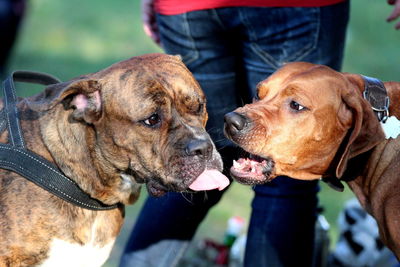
{"x": 152, "y": 120}
{"x": 296, "y": 106}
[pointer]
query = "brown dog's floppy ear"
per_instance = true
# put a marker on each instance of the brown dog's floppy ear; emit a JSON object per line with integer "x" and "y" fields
{"x": 366, "y": 131}
{"x": 81, "y": 94}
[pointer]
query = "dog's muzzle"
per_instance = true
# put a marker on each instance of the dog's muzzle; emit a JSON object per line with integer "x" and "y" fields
{"x": 235, "y": 123}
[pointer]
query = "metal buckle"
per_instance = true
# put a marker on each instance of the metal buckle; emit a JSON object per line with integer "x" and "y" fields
{"x": 382, "y": 111}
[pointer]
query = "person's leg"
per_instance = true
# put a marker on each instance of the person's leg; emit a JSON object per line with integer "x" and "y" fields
{"x": 281, "y": 230}
{"x": 167, "y": 224}
{"x": 11, "y": 13}
{"x": 164, "y": 228}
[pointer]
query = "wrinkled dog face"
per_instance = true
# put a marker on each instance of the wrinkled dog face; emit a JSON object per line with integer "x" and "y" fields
{"x": 156, "y": 113}
{"x": 295, "y": 127}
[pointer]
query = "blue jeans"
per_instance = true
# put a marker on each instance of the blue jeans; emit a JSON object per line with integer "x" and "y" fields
{"x": 230, "y": 50}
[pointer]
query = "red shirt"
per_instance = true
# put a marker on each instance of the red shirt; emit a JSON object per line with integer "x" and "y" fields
{"x": 173, "y": 7}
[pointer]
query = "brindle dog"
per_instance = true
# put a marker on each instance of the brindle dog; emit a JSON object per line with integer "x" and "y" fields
{"x": 139, "y": 121}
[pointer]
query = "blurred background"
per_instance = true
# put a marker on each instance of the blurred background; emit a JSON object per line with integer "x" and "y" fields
{"x": 74, "y": 37}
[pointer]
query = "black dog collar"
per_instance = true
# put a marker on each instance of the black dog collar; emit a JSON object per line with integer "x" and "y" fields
{"x": 15, "y": 157}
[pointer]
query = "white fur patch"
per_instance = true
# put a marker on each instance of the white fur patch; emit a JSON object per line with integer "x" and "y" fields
{"x": 65, "y": 254}
{"x": 391, "y": 127}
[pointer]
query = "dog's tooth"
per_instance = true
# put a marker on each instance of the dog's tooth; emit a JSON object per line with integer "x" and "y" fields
{"x": 236, "y": 165}
{"x": 253, "y": 168}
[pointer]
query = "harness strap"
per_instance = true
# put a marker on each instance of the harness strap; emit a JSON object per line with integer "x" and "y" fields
{"x": 46, "y": 175}
{"x": 10, "y": 100}
{"x": 10, "y": 107}
{"x": 33, "y": 77}
{"x": 15, "y": 157}
{"x": 3, "y": 121}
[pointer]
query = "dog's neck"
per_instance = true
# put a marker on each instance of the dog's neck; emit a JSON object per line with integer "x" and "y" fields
{"x": 364, "y": 184}
{"x": 72, "y": 147}
{"x": 378, "y": 178}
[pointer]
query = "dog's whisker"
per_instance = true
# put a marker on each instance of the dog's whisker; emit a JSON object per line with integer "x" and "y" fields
{"x": 186, "y": 198}
{"x": 205, "y": 196}
{"x": 220, "y": 141}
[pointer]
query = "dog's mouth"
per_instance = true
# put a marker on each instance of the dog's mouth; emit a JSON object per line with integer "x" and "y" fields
{"x": 156, "y": 189}
{"x": 252, "y": 170}
{"x": 208, "y": 179}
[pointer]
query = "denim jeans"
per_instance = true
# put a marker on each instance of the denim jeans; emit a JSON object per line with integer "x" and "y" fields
{"x": 230, "y": 50}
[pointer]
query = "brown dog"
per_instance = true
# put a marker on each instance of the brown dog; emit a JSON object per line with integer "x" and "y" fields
{"x": 139, "y": 121}
{"x": 311, "y": 122}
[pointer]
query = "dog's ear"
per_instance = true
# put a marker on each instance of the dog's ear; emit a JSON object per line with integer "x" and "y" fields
{"x": 366, "y": 131}
{"x": 81, "y": 94}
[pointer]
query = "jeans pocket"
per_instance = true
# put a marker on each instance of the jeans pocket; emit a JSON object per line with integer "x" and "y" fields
{"x": 283, "y": 35}
{"x": 176, "y": 37}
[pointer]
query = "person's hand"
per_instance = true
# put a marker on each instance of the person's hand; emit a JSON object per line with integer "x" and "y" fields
{"x": 395, "y": 13}
{"x": 149, "y": 20}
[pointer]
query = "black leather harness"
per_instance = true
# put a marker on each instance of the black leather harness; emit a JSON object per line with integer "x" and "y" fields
{"x": 15, "y": 157}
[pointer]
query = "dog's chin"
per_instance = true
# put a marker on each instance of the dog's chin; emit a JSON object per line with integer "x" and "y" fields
{"x": 156, "y": 189}
{"x": 155, "y": 186}
{"x": 253, "y": 170}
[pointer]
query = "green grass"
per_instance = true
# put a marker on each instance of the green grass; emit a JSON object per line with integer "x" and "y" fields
{"x": 70, "y": 38}
{"x": 372, "y": 43}
{"x": 74, "y": 37}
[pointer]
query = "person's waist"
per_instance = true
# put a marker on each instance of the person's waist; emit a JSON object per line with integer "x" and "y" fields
{"x": 174, "y": 7}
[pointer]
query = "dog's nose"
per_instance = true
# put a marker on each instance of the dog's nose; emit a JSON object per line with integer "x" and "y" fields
{"x": 199, "y": 147}
{"x": 235, "y": 121}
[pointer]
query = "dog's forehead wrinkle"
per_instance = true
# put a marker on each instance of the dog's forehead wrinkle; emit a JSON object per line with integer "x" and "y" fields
{"x": 157, "y": 96}
{"x": 174, "y": 82}
{"x": 179, "y": 125}
{"x": 318, "y": 78}
{"x": 178, "y": 93}
{"x": 186, "y": 94}
{"x": 321, "y": 89}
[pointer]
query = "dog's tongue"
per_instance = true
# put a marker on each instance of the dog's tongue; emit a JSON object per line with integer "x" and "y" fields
{"x": 208, "y": 180}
